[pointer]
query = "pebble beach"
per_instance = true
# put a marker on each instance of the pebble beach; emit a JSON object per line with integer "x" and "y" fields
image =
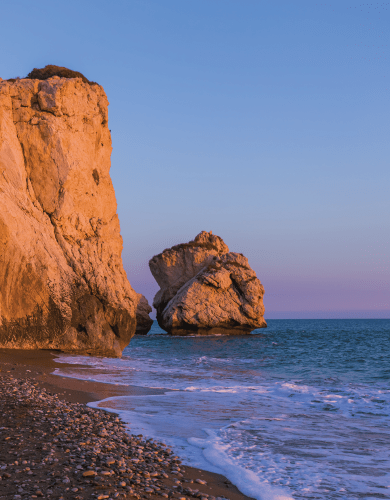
{"x": 52, "y": 445}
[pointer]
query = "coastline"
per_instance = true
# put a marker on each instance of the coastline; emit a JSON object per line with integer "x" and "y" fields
{"x": 37, "y": 366}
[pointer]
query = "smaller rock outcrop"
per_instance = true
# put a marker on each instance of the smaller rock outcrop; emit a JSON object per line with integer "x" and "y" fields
{"x": 144, "y": 322}
{"x": 206, "y": 289}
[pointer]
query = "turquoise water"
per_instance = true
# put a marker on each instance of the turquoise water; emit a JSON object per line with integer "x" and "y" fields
{"x": 298, "y": 410}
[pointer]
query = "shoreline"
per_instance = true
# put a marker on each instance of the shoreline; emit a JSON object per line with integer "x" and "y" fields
{"x": 37, "y": 366}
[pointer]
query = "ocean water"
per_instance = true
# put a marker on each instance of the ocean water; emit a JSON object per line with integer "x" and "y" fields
{"x": 298, "y": 410}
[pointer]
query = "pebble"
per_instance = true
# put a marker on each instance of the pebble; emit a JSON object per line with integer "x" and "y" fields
{"x": 89, "y": 473}
{"x": 66, "y": 448}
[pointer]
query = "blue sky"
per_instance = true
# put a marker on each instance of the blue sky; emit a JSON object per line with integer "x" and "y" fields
{"x": 266, "y": 122}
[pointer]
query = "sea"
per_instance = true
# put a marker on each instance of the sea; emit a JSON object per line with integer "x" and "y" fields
{"x": 300, "y": 409}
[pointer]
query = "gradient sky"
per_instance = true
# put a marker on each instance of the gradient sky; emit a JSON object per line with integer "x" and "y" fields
{"x": 266, "y": 122}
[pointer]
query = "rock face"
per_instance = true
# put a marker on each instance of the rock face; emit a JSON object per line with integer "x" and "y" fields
{"x": 144, "y": 322}
{"x": 206, "y": 289}
{"x": 62, "y": 282}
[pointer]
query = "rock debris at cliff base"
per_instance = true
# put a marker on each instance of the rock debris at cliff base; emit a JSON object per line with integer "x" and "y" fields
{"x": 144, "y": 321}
{"x": 58, "y": 450}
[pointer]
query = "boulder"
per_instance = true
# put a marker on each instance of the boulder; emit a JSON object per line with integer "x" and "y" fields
{"x": 205, "y": 289}
{"x": 62, "y": 282}
{"x": 144, "y": 322}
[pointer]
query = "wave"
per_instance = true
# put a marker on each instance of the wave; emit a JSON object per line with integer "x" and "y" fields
{"x": 291, "y": 411}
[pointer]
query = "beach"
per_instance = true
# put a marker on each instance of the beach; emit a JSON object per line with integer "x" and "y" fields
{"x": 299, "y": 411}
{"x": 54, "y": 446}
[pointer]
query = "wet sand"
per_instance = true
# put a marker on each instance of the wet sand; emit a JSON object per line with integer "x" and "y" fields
{"x": 36, "y": 368}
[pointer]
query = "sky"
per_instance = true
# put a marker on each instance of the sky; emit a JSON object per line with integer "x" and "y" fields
{"x": 266, "y": 122}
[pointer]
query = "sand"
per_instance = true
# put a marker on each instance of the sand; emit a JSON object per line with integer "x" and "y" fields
{"x": 36, "y": 367}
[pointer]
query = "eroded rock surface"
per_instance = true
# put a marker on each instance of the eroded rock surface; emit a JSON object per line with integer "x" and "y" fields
{"x": 62, "y": 282}
{"x": 206, "y": 289}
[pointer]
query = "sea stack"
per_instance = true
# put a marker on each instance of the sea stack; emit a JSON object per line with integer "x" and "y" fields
{"x": 205, "y": 289}
{"x": 62, "y": 282}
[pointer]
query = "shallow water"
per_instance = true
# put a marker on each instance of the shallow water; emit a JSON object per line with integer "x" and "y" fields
{"x": 297, "y": 410}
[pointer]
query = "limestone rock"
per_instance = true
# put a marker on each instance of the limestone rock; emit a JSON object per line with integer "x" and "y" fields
{"x": 62, "y": 282}
{"x": 206, "y": 289}
{"x": 144, "y": 322}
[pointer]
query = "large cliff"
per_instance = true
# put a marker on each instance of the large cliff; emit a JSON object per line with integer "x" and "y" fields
{"x": 206, "y": 289}
{"x": 62, "y": 282}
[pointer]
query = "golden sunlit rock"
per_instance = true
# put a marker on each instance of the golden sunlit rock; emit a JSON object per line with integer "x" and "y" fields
{"x": 62, "y": 282}
{"x": 205, "y": 289}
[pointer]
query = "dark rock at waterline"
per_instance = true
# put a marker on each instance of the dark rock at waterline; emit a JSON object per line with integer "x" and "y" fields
{"x": 144, "y": 322}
